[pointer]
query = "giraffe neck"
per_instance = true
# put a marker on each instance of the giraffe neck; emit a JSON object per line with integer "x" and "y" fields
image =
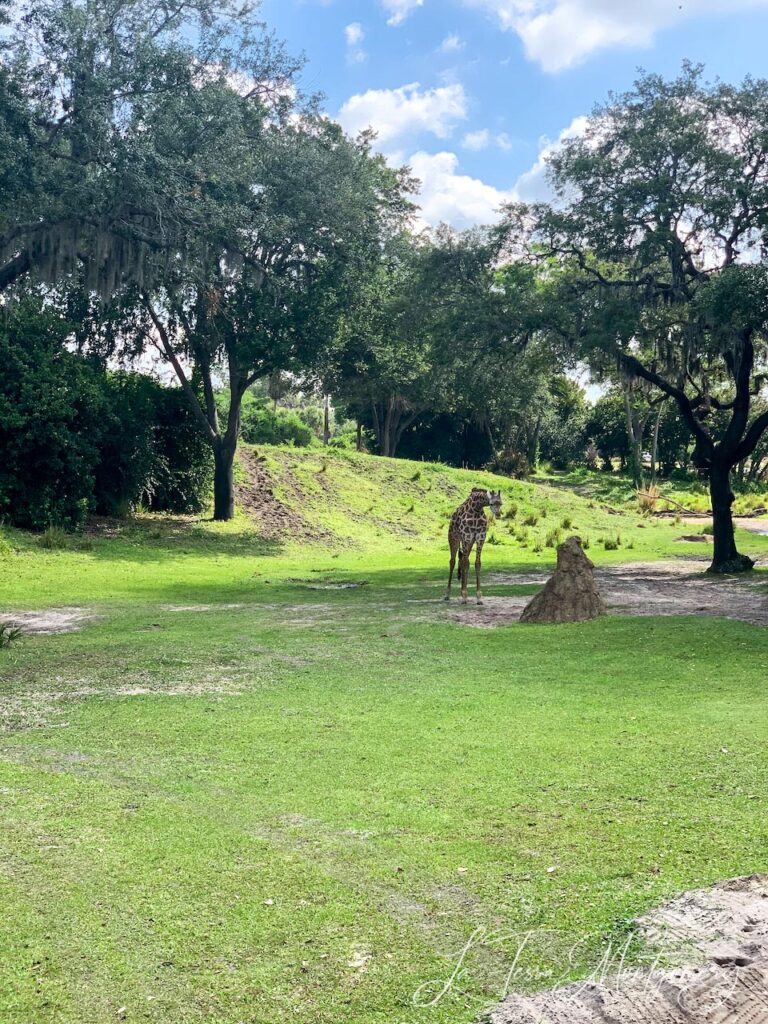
{"x": 477, "y": 502}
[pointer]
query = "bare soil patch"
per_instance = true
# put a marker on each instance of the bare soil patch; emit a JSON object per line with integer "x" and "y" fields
{"x": 716, "y": 941}
{"x": 752, "y": 524}
{"x": 258, "y": 499}
{"x": 645, "y": 588}
{"x": 49, "y": 621}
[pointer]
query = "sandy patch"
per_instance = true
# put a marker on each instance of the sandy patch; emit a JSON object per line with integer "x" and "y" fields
{"x": 200, "y": 607}
{"x": 752, "y": 524}
{"x": 49, "y": 621}
{"x": 717, "y": 943}
{"x": 650, "y": 588}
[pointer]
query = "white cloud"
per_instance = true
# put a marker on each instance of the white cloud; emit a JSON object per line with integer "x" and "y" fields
{"x": 451, "y": 44}
{"x": 404, "y": 112}
{"x": 532, "y": 186}
{"x": 453, "y": 198}
{"x": 354, "y": 35}
{"x": 400, "y": 9}
{"x": 504, "y": 142}
{"x": 477, "y": 140}
{"x": 558, "y": 34}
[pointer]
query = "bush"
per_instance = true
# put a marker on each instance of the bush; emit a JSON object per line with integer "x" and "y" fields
{"x": 262, "y": 425}
{"x": 9, "y": 634}
{"x": 54, "y": 539}
{"x": 510, "y": 462}
{"x": 52, "y": 411}
{"x": 75, "y": 439}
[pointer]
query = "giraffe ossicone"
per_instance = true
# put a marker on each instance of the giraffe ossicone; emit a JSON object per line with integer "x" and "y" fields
{"x": 467, "y": 529}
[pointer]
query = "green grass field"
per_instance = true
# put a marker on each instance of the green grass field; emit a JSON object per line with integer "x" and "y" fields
{"x": 242, "y": 794}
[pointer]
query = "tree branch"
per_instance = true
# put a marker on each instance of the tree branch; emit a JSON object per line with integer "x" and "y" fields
{"x": 751, "y": 438}
{"x": 684, "y": 404}
{"x": 166, "y": 348}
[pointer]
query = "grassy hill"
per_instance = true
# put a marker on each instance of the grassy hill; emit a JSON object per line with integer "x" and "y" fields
{"x": 348, "y": 500}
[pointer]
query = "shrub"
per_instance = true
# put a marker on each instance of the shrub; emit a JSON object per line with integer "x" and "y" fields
{"x": 263, "y": 425}
{"x": 52, "y": 411}
{"x": 510, "y": 462}
{"x": 610, "y": 545}
{"x": 53, "y": 539}
{"x": 76, "y": 439}
{"x": 566, "y": 523}
{"x": 531, "y": 520}
{"x": 511, "y": 510}
{"x": 648, "y": 499}
{"x": 9, "y": 634}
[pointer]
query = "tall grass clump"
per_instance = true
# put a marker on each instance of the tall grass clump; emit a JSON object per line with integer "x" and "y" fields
{"x": 53, "y": 539}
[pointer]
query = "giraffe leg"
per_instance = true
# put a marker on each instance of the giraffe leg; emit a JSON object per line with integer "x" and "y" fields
{"x": 454, "y": 544}
{"x": 477, "y": 570}
{"x": 466, "y": 549}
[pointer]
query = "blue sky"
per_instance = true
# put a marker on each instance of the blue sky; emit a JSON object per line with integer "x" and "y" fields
{"x": 472, "y": 92}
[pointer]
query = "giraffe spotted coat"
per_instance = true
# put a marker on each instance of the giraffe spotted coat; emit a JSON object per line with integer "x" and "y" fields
{"x": 467, "y": 529}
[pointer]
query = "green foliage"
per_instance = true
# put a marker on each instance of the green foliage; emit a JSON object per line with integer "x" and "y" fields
{"x": 264, "y": 425}
{"x": 53, "y": 539}
{"x": 52, "y": 410}
{"x": 553, "y": 538}
{"x": 76, "y": 439}
{"x": 9, "y": 634}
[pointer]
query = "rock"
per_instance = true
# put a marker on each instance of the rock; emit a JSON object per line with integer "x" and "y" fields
{"x": 571, "y": 595}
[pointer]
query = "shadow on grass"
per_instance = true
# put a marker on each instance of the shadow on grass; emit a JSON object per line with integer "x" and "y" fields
{"x": 150, "y": 539}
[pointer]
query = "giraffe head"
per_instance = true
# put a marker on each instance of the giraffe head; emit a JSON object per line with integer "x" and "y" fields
{"x": 487, "y": 499}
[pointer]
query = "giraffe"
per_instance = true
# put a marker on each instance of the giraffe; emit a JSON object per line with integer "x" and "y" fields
{"x": 468, "y": 527}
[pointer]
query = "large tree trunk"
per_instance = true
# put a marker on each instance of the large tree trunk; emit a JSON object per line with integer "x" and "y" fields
{"x": 725, "y": 557}
{"x": 224, "y": 450}
{"x": 223, "y": 481}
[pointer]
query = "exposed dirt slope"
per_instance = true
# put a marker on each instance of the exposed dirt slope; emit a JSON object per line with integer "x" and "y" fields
{"x": 717, "y": 943}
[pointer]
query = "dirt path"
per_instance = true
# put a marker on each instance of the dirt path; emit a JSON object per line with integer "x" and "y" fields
{"x": 716, "y": 943}
{"x": 256, "y": 496}
{"x": 677, "y": 587}
{"x": 758, "y": 526}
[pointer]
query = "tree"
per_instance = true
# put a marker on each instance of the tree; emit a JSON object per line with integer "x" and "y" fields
{"x": 93, "y": 151}
{"x": 661, "y": 213}
{"x": 384, "y": 367}
{"x": 294, "y": 213}
{"x": 607, "y": 428}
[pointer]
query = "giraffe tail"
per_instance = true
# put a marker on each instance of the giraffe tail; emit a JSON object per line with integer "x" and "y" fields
{"x": 459, "y": 557}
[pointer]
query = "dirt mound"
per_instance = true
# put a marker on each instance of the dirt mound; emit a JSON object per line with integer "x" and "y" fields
{"x": 258, "y": 499}
{"x": 652, "y": 588}
{"x": 571, "y": 594}
{"x": 716, "y": 941}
